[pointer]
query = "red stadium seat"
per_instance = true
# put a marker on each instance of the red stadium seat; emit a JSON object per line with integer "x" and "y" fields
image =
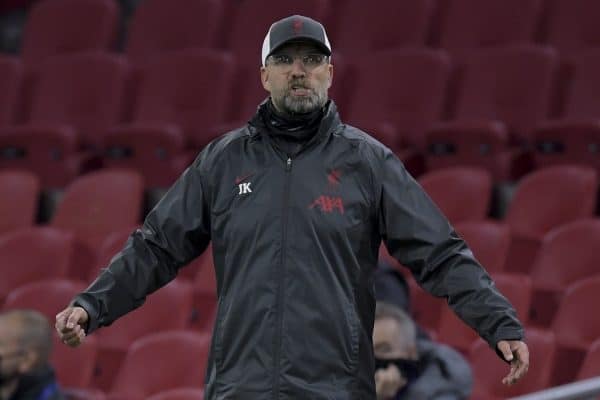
{"x": 473, "y": 23}
{"x": 158, "y": 27}
{"x": 19, "y": 192}
{"x": 173, "y": 111}
{"x": 94, "y": 206}
{"x": 184, "y": 352}
{"x": 489, "y": 370}
{"x": 169, "y": 308}
{"x": 47, "y": 296}
{"x": 249, "y": 25}
{"x": 572, "y": 25}
{"x": 489, "y": 242}
{"x": 544, "y": 200}
{"x": 76, "y": 99}
{"x": 179, "y": 394}
{"x": 517, "y": 289}
{"x": 575, "y": 137}
{"x": 425, "y": 308}
{"x": 74, "y": 367}
{"x": 33, "y": 254}
{"x": 462, "y": 194}
{"x": 390, "y": 24}
{"x": 591, "y": 364}
{"x": 576, "y": 327}
{"x": 404, "y": 87}
{"x": 567, "y": 255}
{"x": 11, "y": 75}
{"x": 481, "y": 144}
{"x": 503, "y": 93}
{"x": 57, "y": 27}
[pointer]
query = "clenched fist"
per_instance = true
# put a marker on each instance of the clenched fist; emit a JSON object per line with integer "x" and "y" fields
{"x": 70, "y": 324}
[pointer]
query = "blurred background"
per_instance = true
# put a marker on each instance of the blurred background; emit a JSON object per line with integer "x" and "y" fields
{"x": 493, "y": 105}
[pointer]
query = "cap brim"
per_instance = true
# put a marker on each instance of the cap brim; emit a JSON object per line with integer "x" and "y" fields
{"x": 301, "y": 38}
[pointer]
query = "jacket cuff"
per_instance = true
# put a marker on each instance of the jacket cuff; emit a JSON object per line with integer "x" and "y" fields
{"x": 93, "y": 317}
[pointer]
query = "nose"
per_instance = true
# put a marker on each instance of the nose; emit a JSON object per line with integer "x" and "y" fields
{"x": 298, "y": 70}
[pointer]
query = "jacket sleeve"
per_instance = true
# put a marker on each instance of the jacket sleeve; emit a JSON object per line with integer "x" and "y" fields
{"x": 419, "y": 236}
{"x": 176, "y": 231}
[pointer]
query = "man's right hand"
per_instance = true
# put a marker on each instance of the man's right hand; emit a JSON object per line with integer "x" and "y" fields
{"x": 70, "y": 324}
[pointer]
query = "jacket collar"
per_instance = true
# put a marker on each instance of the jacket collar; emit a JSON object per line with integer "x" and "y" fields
{"x": 329, "y": 123}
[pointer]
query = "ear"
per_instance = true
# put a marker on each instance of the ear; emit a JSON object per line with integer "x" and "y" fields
{"x": 264, "y": 78}
{"x": 330, "y": 70}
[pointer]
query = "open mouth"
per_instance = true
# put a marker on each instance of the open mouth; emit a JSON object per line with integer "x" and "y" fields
{"x": 299, "y": 90}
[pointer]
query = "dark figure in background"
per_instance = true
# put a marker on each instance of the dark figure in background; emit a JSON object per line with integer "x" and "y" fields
{"x": 296, "y": 204}
{"x": 25, "y": 347}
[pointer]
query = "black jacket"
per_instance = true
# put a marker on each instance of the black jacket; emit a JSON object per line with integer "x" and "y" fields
{"x": 295, "y": 242}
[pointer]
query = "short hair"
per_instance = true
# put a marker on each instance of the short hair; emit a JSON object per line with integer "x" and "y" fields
{"x": 35, "y": 332}
{"x": 405, "y": 322}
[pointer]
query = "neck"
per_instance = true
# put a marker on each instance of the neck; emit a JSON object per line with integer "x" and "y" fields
{"x": 8, "y": 389}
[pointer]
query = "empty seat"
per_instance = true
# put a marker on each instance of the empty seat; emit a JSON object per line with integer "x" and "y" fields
{"x": 546, "y": 199}
{"x": 11, "y": 74}
{"x": 99, "y": 203}
{"x": 173, "y": 111}
{"x": 575, "y": 137}
{"x": 572, "y": 25}
{"x": 512, "y": 84}
{"x": 473, "y": 23}
{"x": 567, "y": 254}
{"x": 179, "y": 394}
{"x": 404, "y": 87}
{"x": 591, "y": 364}
{"x": 158, "y": 26}
{"x": 390, "y": 24}
{"x": 184, "y": 352}
{"x": 74, "y": 367}
{"x": 33, "y": 254}
{"x": 167, "y": 309}
{"x": 489, "y": 242}
{"x": 19, "y": 192}
{"x": 75, "y": 100}
{"x": 462, "y": 194}
{"x": 249, "y": 24}
{"x": 576, "y": 327}
{"x": 47, "y": 296}
{"x": 57, "y": 27}
{"x": 517, "y": 289}
{"x": 489, "y": 369}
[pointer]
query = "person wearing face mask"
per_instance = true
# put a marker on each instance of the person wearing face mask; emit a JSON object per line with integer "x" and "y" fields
{"x": 25, "y": 346}
{"x": 409, "y": 368}
{"x": 296, "y": 204}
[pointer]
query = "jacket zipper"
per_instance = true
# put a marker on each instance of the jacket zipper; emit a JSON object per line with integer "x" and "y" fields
{"x": 279, "y": 296}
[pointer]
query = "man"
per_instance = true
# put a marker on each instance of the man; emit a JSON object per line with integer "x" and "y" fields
{"x": 407, "y": 368}
{"x": 25, "y": 346}
{"x": 296, "y": 204}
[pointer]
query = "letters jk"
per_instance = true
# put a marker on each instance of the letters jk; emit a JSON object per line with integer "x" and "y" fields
{"x": 245, "y": 188}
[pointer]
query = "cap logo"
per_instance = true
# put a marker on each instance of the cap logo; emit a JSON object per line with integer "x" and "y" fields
{"x": 297, "y": 26}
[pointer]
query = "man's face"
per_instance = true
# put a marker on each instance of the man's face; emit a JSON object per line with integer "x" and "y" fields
{"x": 12, "y": 356}
{"x": 389, "y": 342}
{"x": 298, "y": 76}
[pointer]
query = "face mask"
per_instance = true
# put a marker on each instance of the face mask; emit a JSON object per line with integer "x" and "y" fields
{"x": 408, "y": 368}
{"x": 8, "y": 376}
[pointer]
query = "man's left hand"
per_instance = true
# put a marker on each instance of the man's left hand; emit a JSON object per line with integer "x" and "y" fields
{"x": 517, "y": 353}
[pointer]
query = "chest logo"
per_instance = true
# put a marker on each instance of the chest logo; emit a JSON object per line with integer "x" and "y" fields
{"x": 328, "y": 204}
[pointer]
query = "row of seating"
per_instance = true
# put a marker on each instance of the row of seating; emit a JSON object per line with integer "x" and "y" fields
{"x": 160, "y": 25}
{"x": 78, "y": 103}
